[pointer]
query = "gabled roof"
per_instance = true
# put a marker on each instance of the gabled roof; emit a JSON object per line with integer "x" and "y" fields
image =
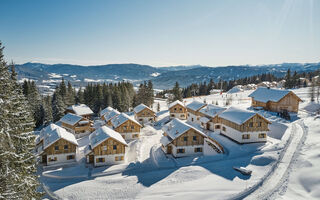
{"x": 46, "y": 130}
{"x": 175, "y": 103}
{"x": 70, "y": 119}
{"x": 122, "y": 118}
{"x": 80, "y": 109}
{"x": 236, "y": 115}
{"x": 57, "y": 134}
{"x": 102, "y": 134}
{"x": 264, "y": 94}
{"x": 106, "y": 110}
{"x": 140, "y": 108}
{"x": 110, "y": 115}
{"x": 195, "y": 105}
{"x": 212, "y": 110}
{"x": 176, "y": 128}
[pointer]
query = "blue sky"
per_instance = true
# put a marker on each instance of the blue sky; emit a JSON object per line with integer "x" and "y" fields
{"x": 161, "y": 32}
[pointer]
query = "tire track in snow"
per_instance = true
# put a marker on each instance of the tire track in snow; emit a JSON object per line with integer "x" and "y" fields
{"x": 276, "y": 176}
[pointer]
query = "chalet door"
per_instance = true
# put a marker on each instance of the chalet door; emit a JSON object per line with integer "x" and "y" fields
{"x": 91, "y": 158}
{"x": 44, "y": 159}
{"x": 208, "y": 126}
{"x": 169, "y": 150}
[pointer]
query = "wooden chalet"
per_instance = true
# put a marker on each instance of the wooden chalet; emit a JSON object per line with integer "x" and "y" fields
{"x": 193, "y": 111}
{"x": 78, "y": 125}
{"x": 81, "y": 110}
{"x": 209, "y": 119}
{"x": 143, "y": 114}
{"x": 178, "y": 110}
{"x": 243, "y": 126}
{"x": 180, "y": 139}
{"x": 58, "y": 146}
{"x": 106, "y": 147}
{"x": 275, "y": 100}
{"x": 128, "y": 127}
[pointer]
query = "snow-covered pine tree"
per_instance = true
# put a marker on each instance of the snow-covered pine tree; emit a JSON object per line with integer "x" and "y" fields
{"x": 18, "y": 163}
{"x": 58, "y": 106}
{"x": 47, "y": 105}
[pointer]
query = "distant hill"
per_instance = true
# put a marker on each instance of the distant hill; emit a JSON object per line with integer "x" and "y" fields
{"x": 162, "y": 77}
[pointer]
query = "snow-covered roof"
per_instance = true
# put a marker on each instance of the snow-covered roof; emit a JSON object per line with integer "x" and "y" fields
{"x": 140, "y": 108}
{"x": 111, "y": 114}
{"x": 176, "y": 127}
{"x": 80, "y": 109}
{"x": 102, "y": 134}
{"x": 70, "y": 119}
{"x": 106, "y": 110}
{"x": 212, "y": 110}
{"x": 235, "y": 89}
{"x": 264, "y": 94}
{"x": 122, "y": 118}
{"x": 204, "y": 120}
{"x": 236, "y": 115}
{"x": 165, "y": 140}
{"x": 195, "y": 105}
{"x": 46, "y": 130}
{"x": 56, "y": 134}
{"x": 175, "y": 103}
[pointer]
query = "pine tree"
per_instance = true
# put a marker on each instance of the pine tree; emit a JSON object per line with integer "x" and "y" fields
{"x": 177, "y": 95}
{"x": 312, "y": 92}
{"x": 58, "y": 106}
{"x": 70, "y": 95}
{"x": 17, "y": 162}
{"x": 47, "y": 104}
{"x": 158, "y": 107}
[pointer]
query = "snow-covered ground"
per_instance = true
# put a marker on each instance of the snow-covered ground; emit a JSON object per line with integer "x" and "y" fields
{"x": 286, "y": 167}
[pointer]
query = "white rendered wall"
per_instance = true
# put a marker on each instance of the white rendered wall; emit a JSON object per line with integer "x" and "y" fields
{"x": 195, "y": 120}
{"x": 61, "y": 158}
{"x": 237, "y": 135}
{"x": 109, "y": 160}
{"x": 189, "y": 151}
{"x": 128, "y": 136}
{"x": 178, "y": 115}
{"x": 145, "y": 120}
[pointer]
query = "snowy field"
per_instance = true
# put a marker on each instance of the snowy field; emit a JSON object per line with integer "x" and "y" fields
{"x": 286, "y": 167}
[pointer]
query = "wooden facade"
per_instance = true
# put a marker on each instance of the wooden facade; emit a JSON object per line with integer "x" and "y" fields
{"x": 61, "y": 146}
{"x": 255, "y": 124}
{"x": 189, "y": 141}
{"x": 78, "y": 128}
{"x": 129, "y": 127}
{"x": 146, "y": 112}
{"x": 179, "y": 109}
{"x": 289, "y": 102}
{"x": 109, "y": 147}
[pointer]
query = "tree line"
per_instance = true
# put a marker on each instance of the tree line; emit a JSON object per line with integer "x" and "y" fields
{"x": 121, "y": 96}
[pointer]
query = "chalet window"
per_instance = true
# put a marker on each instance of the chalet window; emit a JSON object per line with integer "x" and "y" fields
{"x": 100, "y": 160}
{"x": 199, "y": 149}
{"x": 224, "y": 128}
{"x": 116, "y": 158}
{"x": 185, "y": 139}
{"x": 262, "y": 135}
{"x": 197, "y": 118}
{"x": 194, "y": 138}
{"x": 217, "y": 126}
{"x": 70, "y": 157}
{"x": 140, "y": 119}
{"x": 132, "y": 127}
{"x": 135, "y": 135}
{"x": 105, "y": 148}
{"x": 188, "y": 114}
{"x": 246, "y": 136}
{"x": 56, "y": 148}
{"x": 181, "y": 115}
{"x": 180, "y": 109}
{"x": 192, "y": 119}
{"x": 124, "y": 127}
{"x": 180, "y": 150}
{"x": 251, "y": 124}
{"x": 172, "y": 115}
{"x": 53, "y": 159}
{"x": 121, "y": 157}
{"x": 114, "y": 147}
{"x": 259, "y": 124}
{"x": 175, "y": 109}
{"x": 150, "y": 119}
{"x": 66, "y": 147}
